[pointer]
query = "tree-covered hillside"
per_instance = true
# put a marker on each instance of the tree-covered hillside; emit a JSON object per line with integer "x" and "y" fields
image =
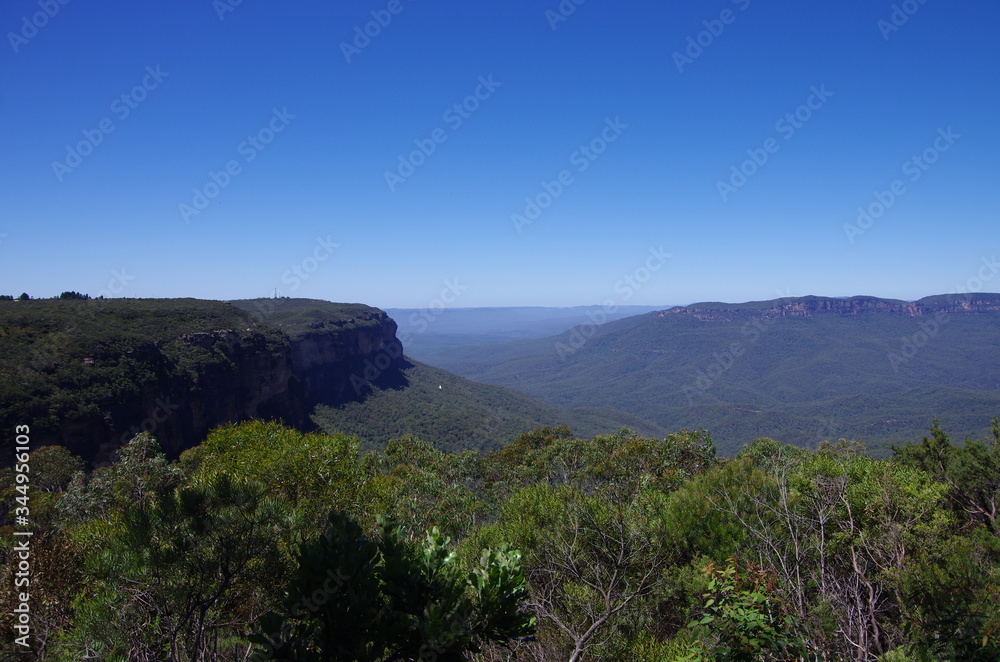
{"x": 458, "y": 414}
{"x": 765, "y": 368}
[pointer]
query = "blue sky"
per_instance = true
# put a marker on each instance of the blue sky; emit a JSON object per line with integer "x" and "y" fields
{"x": 117, "y": 114}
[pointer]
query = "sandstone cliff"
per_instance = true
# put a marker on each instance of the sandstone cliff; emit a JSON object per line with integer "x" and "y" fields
{"x": 179, "y": 380}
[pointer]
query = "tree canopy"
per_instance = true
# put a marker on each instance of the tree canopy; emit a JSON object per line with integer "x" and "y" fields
{"x": 265, "y": 542}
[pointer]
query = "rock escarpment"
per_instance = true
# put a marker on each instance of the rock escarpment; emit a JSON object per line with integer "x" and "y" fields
{"x": 178, "y": 380}
{"x": 247, "y": 377}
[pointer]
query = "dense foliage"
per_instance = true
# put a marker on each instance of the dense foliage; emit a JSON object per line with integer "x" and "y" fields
{"x": 267, "y": 543}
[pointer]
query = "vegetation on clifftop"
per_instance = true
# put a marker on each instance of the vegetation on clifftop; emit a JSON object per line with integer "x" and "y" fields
{"x": 61, "y": 359}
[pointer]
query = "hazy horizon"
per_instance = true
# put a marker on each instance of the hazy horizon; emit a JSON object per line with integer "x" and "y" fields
{"x": 435, "y": 304}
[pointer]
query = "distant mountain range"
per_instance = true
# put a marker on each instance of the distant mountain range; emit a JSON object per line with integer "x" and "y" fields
{"x": 799, "y": 370}
{"x": 429, "y": 334}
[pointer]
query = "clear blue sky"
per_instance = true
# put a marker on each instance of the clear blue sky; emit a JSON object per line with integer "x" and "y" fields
{"x": 316, "y": 196}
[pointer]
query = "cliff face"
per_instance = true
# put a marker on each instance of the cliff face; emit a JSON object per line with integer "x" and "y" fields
{"x": 810, "y": 306}
{"x": 244, "y": 374}
{"x": 332, "y": 363}
{"x": 247, "y": 378}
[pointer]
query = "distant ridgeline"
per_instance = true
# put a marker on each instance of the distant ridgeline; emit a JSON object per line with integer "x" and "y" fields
{"x": 809, "y": 306}
{"x": 90, "y": 374}
{"x": 799, "y": 369}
